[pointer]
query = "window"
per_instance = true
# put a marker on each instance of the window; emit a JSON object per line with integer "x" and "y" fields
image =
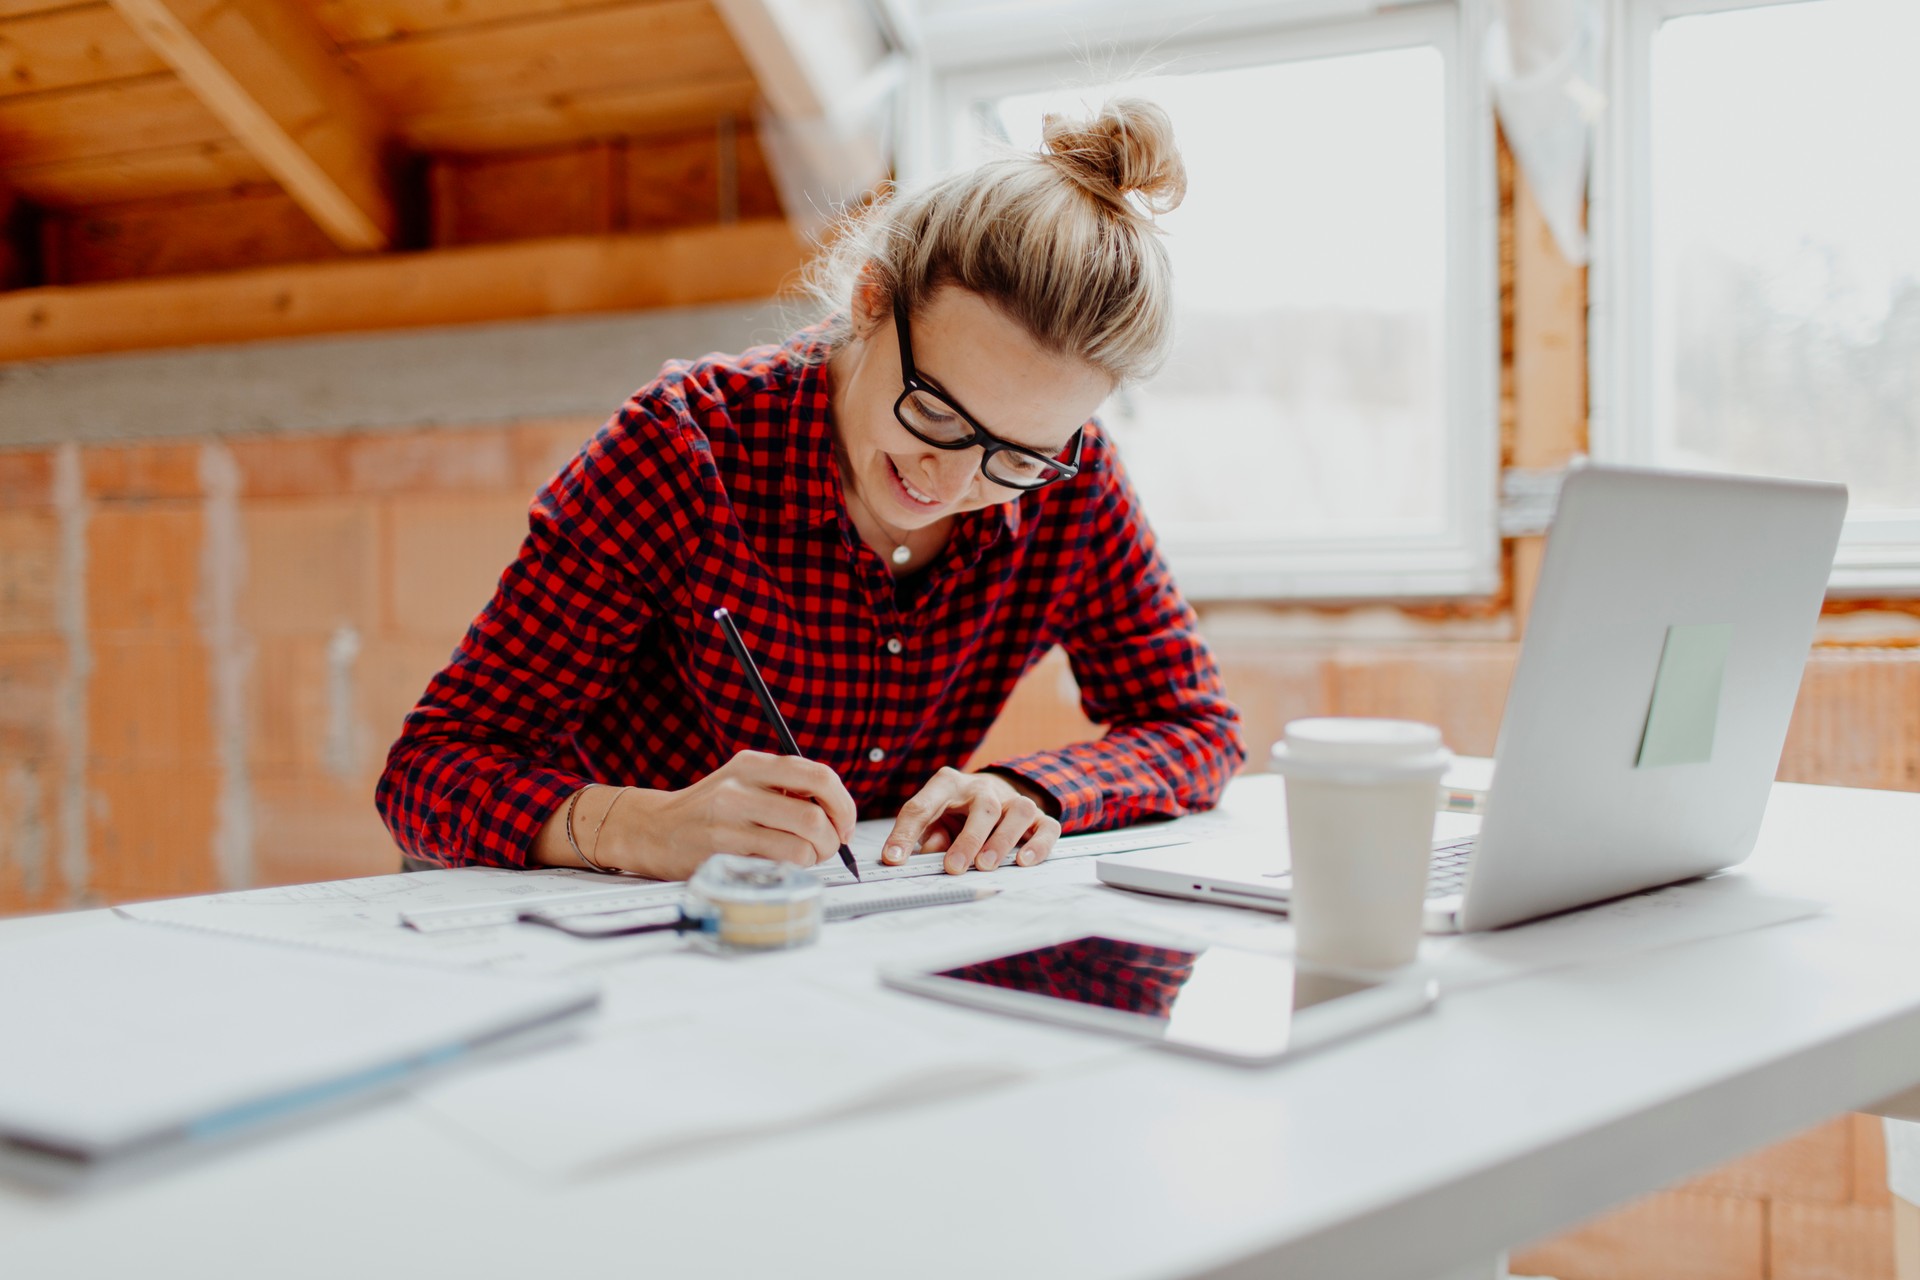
{"x": 1758, "y": 285}
{"x": 1325, "y": 427}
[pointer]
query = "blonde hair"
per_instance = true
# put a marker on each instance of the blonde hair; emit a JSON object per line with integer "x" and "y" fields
{"x": 1062, "y": 240}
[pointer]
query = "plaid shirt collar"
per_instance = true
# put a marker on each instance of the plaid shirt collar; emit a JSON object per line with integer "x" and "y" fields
{"x": 811, "y": 481}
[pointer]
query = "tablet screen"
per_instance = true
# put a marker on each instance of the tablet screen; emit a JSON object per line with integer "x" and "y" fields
{"x": 1164, "y": 983}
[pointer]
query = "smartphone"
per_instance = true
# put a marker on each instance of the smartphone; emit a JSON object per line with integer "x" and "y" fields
{"x": 1222, "y": 1002}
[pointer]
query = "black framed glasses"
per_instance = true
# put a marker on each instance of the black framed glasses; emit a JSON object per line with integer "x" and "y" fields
{"x": 932, "y": 417}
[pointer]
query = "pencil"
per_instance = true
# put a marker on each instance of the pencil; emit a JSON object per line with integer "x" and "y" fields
{"x": 787, "y": 745}
{"x": 906, "y": 900}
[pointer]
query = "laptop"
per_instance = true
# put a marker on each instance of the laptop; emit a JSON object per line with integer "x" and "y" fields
{"x": 1644, "y": 724}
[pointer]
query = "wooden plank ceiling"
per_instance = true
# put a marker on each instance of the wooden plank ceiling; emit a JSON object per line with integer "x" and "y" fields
{"x": 143, "y": 139}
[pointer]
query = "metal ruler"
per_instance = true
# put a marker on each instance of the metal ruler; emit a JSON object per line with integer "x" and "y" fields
{"x": 670, "y": 893}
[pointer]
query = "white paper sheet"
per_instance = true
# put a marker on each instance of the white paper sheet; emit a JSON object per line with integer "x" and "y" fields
{"x": 125, "y": 1032}
{"x": 362, "y": 917}
{"x": 1692, "y": 912}
{"x": 751, "y": 1059}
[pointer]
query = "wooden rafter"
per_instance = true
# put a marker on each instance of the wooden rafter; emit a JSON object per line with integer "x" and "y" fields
{"x": 570, "y": 275}
{"x": 153, "y": 173}
{"x": 562, "y": 118}
{"x": 268, "y": 73}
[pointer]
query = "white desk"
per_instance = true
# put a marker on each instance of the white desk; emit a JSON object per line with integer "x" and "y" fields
{"x": 1511, "y": 1112}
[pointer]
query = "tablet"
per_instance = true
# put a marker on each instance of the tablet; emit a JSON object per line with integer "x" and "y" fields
{"x": 1223, "y": 1002}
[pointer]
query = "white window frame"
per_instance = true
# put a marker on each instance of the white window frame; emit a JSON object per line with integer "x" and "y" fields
{"x": 1014, "y": 50}
{"x": 1880, "y": 554}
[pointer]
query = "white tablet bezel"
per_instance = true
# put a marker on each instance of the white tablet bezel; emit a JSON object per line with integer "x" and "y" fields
{"x": 1389, "y": 998}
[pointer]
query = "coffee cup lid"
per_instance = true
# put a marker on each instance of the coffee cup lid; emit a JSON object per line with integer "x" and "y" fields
{"x": 1361, "y": 749}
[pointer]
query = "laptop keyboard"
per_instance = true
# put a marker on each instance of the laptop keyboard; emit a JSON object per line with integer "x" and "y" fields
{"x": 1447, "y": 873}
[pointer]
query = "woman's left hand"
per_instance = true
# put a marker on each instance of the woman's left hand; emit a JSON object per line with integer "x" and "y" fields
{"x": 980, "y": 819}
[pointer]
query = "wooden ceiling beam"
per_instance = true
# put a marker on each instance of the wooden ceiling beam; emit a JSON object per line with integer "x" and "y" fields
{"x": 270, "y": 75}
{"x": 570, "y": 275}
{"x": 576, "y": 117}
{"x": 122, "y": 117}
{"x": 657, "y": 45}
{"x": 21, "y": 8}
{"x": 154, "y": 173}
{"x": 68, "y": 48}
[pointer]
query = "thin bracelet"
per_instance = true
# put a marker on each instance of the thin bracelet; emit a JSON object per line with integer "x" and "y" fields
{"x": 568, "y": 824}
{"x": 603, "y": 822}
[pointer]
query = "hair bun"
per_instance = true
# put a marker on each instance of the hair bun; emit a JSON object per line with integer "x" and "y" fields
{"x": 1125, "y": 150}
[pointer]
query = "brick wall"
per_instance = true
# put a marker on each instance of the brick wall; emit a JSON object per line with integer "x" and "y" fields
{"x": 206, "y": 647}
{"x": 1814, "y": 1207}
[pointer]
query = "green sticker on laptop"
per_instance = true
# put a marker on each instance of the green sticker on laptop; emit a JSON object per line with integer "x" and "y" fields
{"x": 1686, "y": 695}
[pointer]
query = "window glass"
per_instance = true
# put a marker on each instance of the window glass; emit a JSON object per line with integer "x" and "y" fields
{"x": 1305, "y": 398}
{"x": 1786, "y": 244}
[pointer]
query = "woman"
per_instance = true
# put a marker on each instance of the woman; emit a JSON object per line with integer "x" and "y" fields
{"x": 904, "y": 508}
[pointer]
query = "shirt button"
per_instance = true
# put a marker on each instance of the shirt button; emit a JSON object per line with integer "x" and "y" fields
{"x": 894, "y": 645}
{"x": 876, "y": 755}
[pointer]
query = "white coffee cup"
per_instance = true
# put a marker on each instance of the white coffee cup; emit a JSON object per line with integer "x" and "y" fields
{"x": 1361, "y": 798}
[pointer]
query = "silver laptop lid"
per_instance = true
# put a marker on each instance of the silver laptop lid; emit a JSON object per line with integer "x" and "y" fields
{"x": 1650, "y": 704}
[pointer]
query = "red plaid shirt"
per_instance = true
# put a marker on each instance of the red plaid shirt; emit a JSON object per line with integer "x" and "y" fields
{"x": 598, "y": 660}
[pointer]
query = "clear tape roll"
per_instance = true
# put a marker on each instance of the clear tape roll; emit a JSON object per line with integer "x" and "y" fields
{"x": 753, "y": 904}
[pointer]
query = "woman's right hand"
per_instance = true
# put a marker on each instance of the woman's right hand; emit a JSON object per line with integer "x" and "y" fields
{"x": 779, "y": 807}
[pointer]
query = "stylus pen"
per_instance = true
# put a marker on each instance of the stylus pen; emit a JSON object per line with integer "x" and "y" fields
{"x": 787, "y": 745}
